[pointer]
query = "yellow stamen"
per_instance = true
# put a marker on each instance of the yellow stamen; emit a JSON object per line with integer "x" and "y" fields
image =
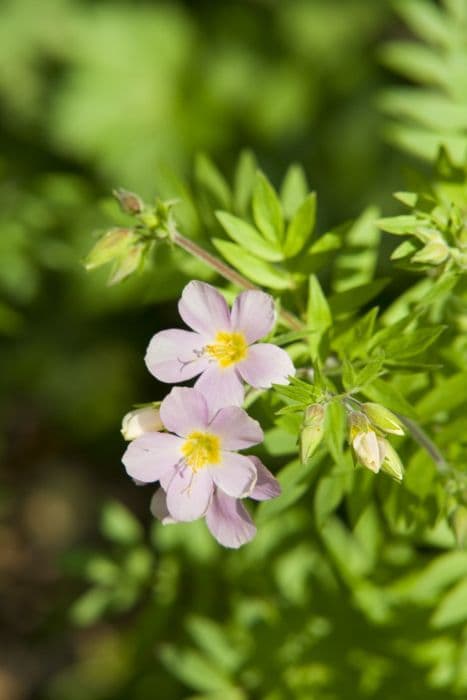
{"x": 229, "y": 348}
{"x": 201, "y": 449}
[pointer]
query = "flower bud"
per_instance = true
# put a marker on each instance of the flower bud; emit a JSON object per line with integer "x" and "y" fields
{"x": 312, "y": 431}
{"x": 129, "y": 202}
{"x": 392, "y": 464}
{"x": 140, "y": 421}
{"x": 459, "y": 525}
{"x": 128, "y": 263}
{"x": 113, "y": 244}
{"x": 370, "y": 450}
{"x": 435, "y": 252}
{"x": 382, "y": 418}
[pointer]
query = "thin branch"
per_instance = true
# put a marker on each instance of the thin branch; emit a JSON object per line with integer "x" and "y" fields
{"x": 424, "y": 441}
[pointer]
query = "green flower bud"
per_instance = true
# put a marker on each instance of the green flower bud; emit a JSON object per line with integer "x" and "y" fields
{"x": 358, "y": 423}
{"x": 392, "y": 464}
{"x": 382, "y": 418}
{"x": 459, "y": 525}
{"x": 111, "y": 245}
{"x": 369, "y": 449}
{"x": 128, "y": 263}
{"x": 312, "y": 431}
{"x": 129, "y": 202}
{"x": 434, "y": 253}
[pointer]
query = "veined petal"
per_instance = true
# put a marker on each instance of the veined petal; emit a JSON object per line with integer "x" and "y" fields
{"x": 159, "y": 509}
{"x": 235, "y": 428}
{"x": 266, "y": 364}
{"x": 266, "y": 486}
{"x": 175, "y": 355}
{"x": 152, "y": 455}
{"x": 228, "y": 521}
{"x": 204, "y": 309}
{"x": 235, "y": 475}
{"x": 184, "y": 410}
{"x": 221, "y": 387}
{"x": 253, "y": 314}
{"x": 189, "y": 494}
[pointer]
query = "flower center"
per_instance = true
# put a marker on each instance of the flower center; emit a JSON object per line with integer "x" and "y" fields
{"x": 201, "y": 449}
{"x": 228, "y": 348}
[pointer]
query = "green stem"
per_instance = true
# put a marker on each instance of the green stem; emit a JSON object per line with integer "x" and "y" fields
{"x": 424, "y": 441}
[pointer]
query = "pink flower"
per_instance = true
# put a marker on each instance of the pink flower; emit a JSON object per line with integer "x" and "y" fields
{"x": 226, "y": 517}
{"x": 222, "y": 346}
{"x": 198, "y": 458}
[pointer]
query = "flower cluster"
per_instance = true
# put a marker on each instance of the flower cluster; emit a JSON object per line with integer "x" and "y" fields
{"x": 195, "y": 460}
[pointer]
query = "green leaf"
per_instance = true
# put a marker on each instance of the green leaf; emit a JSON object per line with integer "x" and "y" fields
{"x": 399, "y": 225}
{"x": 119, "y": 525}
{"x": 245, "y": 177}
{"x": 248, "y": 237}
{"x": 212, "y": 639}
{"x": 353, "y": 299}
{"x": 452, "y": 610}
{"x": 195, "y": 670}
{"x": 257, "y": 270}
{"x": 446, "y": 396}
{"x": 301, "y": 227}
{"x": 319, "y": 317}
{"x": 212, "y": 180}
{"x": 90, "y": 607}
{"x": 411, "y": 344}
{"x": 294, "y": 190}
{"x": 328, "y": 495}
{"x": 267, "y": 211}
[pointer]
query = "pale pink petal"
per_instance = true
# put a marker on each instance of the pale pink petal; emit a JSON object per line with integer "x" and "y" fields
{"x": 159, "y": 508}
{"x": 228, "y": 521}
{"x": 204, "y": 309}
{"x": 221, "y": 387}
{"x": 253, "y": 314}
{"x": 266, "y": 364}
{"x": 235, "y": 475}
{"x": 235, "y": 428}
{"x": 189, "y": 494}
{"x": 184, "y": 410}
{"x": 266, "y": 486}
{"x": 152, "y": 455}
{"x": 175, "y": 355}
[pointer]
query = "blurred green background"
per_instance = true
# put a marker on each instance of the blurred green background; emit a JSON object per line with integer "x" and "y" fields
{"x": 100, "y": 94}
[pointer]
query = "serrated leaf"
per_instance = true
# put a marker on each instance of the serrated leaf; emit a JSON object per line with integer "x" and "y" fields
{"x": 257, "y": 270}
{"x": 294, "y": 190}
{"x": 319, "y": 317}
{"x": 267, "y": 210}
{"x": 248, "y": 237}
{"x": 212, "y": 180}
{"x": 301, "y": 226}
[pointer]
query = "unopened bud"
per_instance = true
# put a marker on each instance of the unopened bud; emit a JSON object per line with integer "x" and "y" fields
{"x": 358, "y": 423}
{"x": 392, "y": 464}
{"x": 129, "y": 202}
{"x": 312, "y": 431}
{"x": 370, "y": 450}
{"x": 459, "y": 525}
{"x": 112, "y": 245}
{"x": 435, "y": 252}
{"x": 382, "y": 418}
{"x": 140, "y": 421}
{"x": 128, "y": 263}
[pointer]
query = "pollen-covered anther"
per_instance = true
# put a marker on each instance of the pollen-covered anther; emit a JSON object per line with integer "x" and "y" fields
{"x": 228, "y": 348}
{"x": 201, "y": 449}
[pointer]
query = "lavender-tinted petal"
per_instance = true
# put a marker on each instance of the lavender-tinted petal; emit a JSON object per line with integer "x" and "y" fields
{"x": 266, "y": 364}
{"x": 228, "y": 521}
{"x": 235, "y": 428}
{"x": 266, "y": 486}
{"x": 221, "y": 387}
{"x": 254, "y": 314}
{"x": 189, "y": 494}
{"x": 158, "y": 508}
{"x": 184, "y": 410}
{"x": 204, "y": 309}
{"x": 151, "y": 456}
{"x": 235, "y": 475}
{"x": 175, "y": 355}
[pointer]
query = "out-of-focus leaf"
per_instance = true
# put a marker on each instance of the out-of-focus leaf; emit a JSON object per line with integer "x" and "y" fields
{"x": 119, "y": 525}
{"x": 212, "y": 180}
{"x": 294, "y": 189}
{"x": 319, "y": 317}
{"x": 267, "y": 210}
{"x": 300, "y": 227}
